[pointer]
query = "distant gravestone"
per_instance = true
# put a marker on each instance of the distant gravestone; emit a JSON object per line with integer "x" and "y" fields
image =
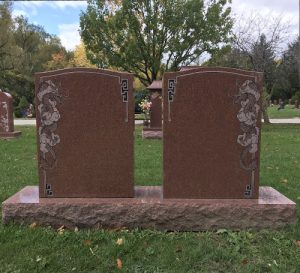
{"x": 6, "y": 116}
{"x": 212, "y": 126}
{"x": 281, "y": 105}
{"x": 156, "y": 107}
{"x": 155, "y": 129}
{"x": 85, "y": 125}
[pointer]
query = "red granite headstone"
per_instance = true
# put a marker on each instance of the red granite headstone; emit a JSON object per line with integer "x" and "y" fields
{"x": 85, "y": 126}
{"x": 156, "y": 107}
{"x": 7, "y": 116}
{"x": 211, "y": 130}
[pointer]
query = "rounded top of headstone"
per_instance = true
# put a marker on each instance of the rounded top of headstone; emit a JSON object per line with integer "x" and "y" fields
{"x": 4, "y": 94}
{"x": 185, "y": 68}
{"x": 190, "y": 70}
{"x": 155, "y": 85}
{"x": 82, "y": 70}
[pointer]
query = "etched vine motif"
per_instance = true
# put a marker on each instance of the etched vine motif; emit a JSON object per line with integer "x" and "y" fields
{"x": 4, "y": 118}
{"x": 49, "y": 98}
{"x": 248, "y": 98}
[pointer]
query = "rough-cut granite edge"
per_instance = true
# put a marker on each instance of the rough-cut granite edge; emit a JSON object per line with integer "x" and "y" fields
{"x": 149, "y": 210}
{"x": 149, "y": 133}
{"x": 9, "y": 135}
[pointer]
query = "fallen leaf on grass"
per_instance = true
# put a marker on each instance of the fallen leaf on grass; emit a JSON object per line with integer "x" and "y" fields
{"x": 285, "y": 181}
{"x": 119, "y": 263}
{"x": 61, "y": 230}
{"x": 270, "y": 168}
{"x": 298, "y": 197}
{"x": 33, "y": 225}
{"x": 76, "y": 229}
{"x": 38, "y": 259}
{"x": 297, "y": 242}
{"x": 150, "y": 250}
{"x": 245, "y": 261}
{"x": 178, "y": 249}
{"x": 120, "y": 241}
{"x": 221, "y": 231}
{"x": 87, "y": 242}
{"x": 92, "y": 251}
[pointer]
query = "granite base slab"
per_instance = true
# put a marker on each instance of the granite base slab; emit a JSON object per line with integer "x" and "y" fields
{"x": 9, "y": 135}
{"x": 149, "y": 210}
{"x": 152, "y": 133}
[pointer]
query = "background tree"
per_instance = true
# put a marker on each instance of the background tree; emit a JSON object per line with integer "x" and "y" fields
{"x": 230, "y": 56}
{"x": 148, "y": 37}
{"x": 24, "y": 49}
{"x": 257, "y": 44}
{"x": 262, "y": 58}
{"x": 80, "y": 58}
{"x": 7, "y": 45}
{"x": 60, "y": 60}
{"x": 287, "y": 83}
{"x": 36, "y": 45}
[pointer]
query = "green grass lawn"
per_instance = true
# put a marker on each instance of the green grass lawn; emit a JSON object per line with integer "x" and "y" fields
{"x": 139, "y": 116}
{"x": 287, "y": 112}
{"x": 24, "y": 249}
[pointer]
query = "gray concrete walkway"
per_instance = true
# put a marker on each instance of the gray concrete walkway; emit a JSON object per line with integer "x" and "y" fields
{"x": 24, "y": 122}
{"x": 286, "y": 121}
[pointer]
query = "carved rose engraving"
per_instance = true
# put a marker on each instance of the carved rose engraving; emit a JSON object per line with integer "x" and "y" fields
{"x": 49, "y": 98}
{"x": 248, "y": 98}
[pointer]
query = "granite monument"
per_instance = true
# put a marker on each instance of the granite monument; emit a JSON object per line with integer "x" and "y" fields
{"x": 85, "y": 128}
{"x": 211, "y": 133}
{"x": 7, "y": 117}
{"x": 211, "y": 155}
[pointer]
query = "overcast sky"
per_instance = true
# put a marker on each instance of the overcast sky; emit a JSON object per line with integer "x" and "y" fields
{"x": 62, "y": 17}
{"x": 288, "y": 9}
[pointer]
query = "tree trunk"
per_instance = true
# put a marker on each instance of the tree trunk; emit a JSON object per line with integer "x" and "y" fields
{"x": 264, "y": 106}
{"x": 299, "y": 50}
{"x": 265, "y": 115}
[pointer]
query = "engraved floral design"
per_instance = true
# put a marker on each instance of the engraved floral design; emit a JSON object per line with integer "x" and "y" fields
{"x": 49, "y": 98}
{"x": 4, "y": 118}
{"x": 248, "y": 98}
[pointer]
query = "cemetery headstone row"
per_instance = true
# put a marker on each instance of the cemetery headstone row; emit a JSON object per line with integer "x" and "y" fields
{"x": 211, "y": 140}
{"x": 211, "y": 133}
